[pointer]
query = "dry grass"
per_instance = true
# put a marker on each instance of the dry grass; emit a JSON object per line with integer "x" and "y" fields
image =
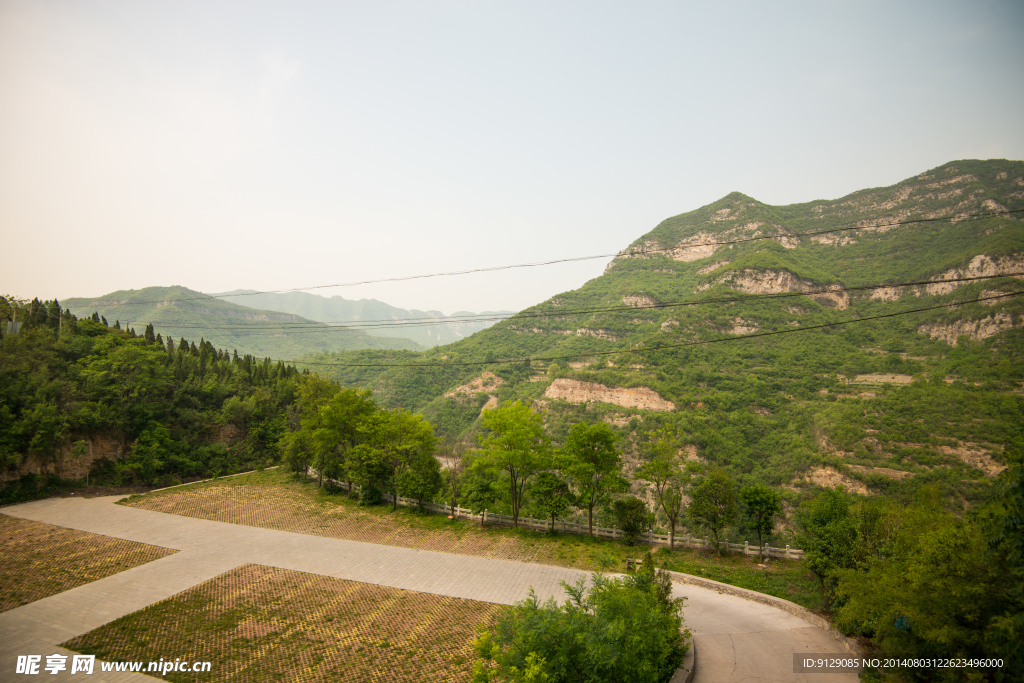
{"x": 39, "y": 560}
{"x": 257, "y": 623}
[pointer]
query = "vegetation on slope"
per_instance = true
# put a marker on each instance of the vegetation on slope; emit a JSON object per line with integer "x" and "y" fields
{"x": 180, "y": 312}
{"x": 175, "y": 410}
{"x": 337, "y": 309}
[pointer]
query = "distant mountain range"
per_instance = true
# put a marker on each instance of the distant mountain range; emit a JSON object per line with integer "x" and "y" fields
{"x": 181, "y": 312}
{"x": 426, "y": 328}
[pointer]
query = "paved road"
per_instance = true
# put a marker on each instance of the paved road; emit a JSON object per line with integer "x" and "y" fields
{"x": 736, "y": 640}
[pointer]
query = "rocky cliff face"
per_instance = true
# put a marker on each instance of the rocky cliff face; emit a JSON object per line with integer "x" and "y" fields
{"x": 584, "y": 392}
{"x": 972, "y": 329}
{"x": 74, "y": 461}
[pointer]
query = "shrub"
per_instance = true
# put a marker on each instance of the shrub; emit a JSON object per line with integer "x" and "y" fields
{"x": 625, "y": 629}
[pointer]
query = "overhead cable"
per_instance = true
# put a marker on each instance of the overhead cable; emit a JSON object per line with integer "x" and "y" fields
{"x": 633, "y": 252}
{"x": 660, "y": 347}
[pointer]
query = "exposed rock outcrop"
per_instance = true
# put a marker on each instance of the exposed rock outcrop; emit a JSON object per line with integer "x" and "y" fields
{"x": 74, "y": 461}
{"x": 779, "y": 281}
{"x": 485, "y": 383}
{"x": 583, "y": 392}
{"x": 974, "y": 456}
{"x": 973, "y": 329}
{"x": 980, "y": 266}
{"x": 638, "y": 301}
{"x": 830, "y": 478}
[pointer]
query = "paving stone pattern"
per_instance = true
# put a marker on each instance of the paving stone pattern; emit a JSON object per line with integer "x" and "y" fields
{"x": 259, "y": 623}
{"x": 38, "y": 560}
{"x": 735, "y": 639}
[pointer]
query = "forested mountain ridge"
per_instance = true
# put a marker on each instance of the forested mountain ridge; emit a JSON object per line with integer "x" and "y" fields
{"x": 79, "y": 397}
{"x": 177, "y": 312}
{"x": 879, "y": 405}
{"x": 337, "y": 309}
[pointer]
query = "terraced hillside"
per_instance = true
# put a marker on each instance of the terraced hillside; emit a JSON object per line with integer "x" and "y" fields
{"x": 756, "y": 332}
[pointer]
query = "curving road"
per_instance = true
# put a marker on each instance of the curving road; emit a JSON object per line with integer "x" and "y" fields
{"x": 735, "y": 639}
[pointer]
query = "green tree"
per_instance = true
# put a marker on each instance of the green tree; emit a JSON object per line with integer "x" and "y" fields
{"x": 517, "y": 444}
{"x": 830, "y": 536}
{"x": 552, "y": 495}
{"x": 932, "y": 596}
{"x": 713, "y": 503}
{"x": 421, "y": 479}
{"x": 671, "y": 479}
{"x": 593, "y": 466}
{"x": 761, "y": 504}
{"x": 1005, "y": 530}
{"x": 633, "y": 517}
{"x": 453, "y": 470}
{"x": 619, "y": 630}
{"x": 336, "y": 418}
{"x": 394, "y": 439}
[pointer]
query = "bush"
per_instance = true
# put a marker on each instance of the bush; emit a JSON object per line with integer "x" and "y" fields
{"x": 620, "y": 630}
{"x": 633, "y": 517}
{"x": 370, "y": 495}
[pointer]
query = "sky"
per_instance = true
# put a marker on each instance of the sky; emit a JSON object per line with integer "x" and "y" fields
{"x": 266, "y": 146}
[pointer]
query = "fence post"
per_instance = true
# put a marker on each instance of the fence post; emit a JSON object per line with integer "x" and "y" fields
{"x": 787, "y": 553}
{"x": 483, "y": 517}
{"x": 746, "y": 547}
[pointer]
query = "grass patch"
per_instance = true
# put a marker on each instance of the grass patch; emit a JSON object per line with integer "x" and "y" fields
{"x": 38, "y": 560}
{"x": 264, "y": 623}
{"x": 278, "y": 500}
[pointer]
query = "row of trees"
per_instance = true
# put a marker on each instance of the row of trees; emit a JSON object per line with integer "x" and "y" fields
{"x": 587, "y": 473}
{"x": 343, "y": 435}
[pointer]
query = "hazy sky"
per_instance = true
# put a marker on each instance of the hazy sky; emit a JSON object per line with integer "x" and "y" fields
{"x": 222, "y": 145}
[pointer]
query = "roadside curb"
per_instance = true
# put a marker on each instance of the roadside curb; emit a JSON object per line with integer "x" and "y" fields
{"x": 684, "y": 674}
{"x": 796, "y": 610}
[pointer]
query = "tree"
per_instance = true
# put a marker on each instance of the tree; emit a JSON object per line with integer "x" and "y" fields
{"x": 932, "y": 595}
{"x": 517, "y": 445}
{"x": 453, "y": 457}
{"x": 633, "y": 517}
{"x": 830, "y": 536}
{"x": 619, "y": 630}
{"x": 394, "y": 440}
{"x": 670, "y": 479}
{"x": 713, "y": 502}
{"x": 761, "y": 504}
{"x": 553, "y": 495}
{"x": 593, "y": 466}
{"x": 1005, "y": 636}
{"x": 336, "y": 418}
{"x": 422, "y": 478}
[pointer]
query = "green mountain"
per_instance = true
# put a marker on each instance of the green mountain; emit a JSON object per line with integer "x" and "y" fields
{"x": 426, "y": 328}
{"x": 882, "y": 404}
{"x": 177, "y": 312}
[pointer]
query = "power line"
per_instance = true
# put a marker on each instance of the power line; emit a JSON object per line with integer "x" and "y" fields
{"x": 642, "y": 252}
{"x": 649, "y": 349}
{"x": 306, "y": 328}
